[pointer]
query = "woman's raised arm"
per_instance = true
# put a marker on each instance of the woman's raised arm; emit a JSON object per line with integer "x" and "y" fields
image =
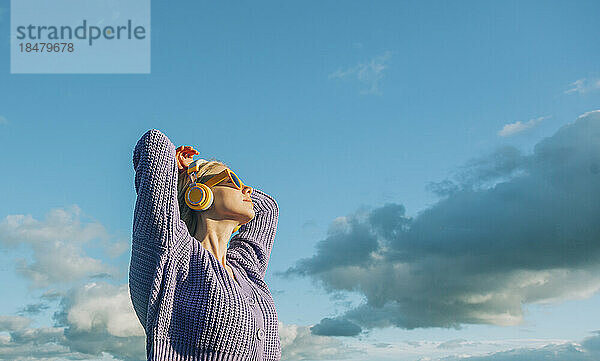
{"x": 255, "y": 238}
{"x": 156, "y": 207}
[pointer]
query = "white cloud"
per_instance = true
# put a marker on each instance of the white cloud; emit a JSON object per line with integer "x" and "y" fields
{"x": 101, "y": 306}
{"x": 369, "y": 74}
{"x": 95, "y": 321}
{"x": 58, "y": 244}
{"x": 80, "y": 339}
{"x": 43, "y": 344}
{"x": 518, "y": 127}
{"x": 13, "y": 323}
{"x": 3, "y": 120}
{"x": 589, "y": 114}
{"x": 450, "y": 349}
{"x": 99, "y": 317}
{"x": 587, "y": 350}
{"x": 582, "y": 86}
{"x": 298, "y": 343}
{"x": 488, "y": 350}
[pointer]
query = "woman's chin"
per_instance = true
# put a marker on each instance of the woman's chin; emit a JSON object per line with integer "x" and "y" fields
{"x": 249, "y": 216}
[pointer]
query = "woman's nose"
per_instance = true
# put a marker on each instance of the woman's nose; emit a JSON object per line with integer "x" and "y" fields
{"x": 247, "y": 189}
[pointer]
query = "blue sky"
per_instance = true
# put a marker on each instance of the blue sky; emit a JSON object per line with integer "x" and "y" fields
{"x": 471, "y": 123}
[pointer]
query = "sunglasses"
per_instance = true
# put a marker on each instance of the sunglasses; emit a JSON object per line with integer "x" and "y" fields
{"x": 220, "y": 177}
{"x": 223, "y": 176}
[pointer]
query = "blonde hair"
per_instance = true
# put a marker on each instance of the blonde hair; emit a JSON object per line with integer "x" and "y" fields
{"x": 188, "y": 215}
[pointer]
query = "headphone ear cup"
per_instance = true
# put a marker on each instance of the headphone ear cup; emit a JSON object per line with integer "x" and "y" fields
{"x": 198, "y": 196}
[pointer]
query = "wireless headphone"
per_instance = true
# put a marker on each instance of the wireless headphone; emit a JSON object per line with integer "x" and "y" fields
{"x": 199, "y": 196}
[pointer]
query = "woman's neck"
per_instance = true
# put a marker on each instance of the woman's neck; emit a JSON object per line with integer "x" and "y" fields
{"x": 214, "y": 236}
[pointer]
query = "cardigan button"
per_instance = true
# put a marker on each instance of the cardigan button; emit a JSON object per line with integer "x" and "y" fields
{"x": 260, "y": 334}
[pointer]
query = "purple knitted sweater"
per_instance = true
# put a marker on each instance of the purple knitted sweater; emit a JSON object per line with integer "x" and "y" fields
{"x": 190, "y": 307}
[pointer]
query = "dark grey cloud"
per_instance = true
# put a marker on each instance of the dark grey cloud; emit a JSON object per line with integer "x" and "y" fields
{"x": 510, "y": 229}
{"x": 502, "y": 164}
{"x": 592, "y": 344}
{"x": 331, "y": 326}
{"x": 33, "y": 309}
{"x": 362, "y": 242}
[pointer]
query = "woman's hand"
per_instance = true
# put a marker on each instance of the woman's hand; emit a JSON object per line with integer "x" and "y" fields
{"x": 185, "y": 155}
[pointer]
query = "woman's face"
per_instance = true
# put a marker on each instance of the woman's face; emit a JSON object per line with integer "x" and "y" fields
{"x": 229, "y": 202}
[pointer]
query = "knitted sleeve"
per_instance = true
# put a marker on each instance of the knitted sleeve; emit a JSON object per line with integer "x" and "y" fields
{"x": 156, "y": 207}
{"x": 254, "y": 240}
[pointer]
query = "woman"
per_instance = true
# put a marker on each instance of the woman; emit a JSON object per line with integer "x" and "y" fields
{"x": 196, "y": 298}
